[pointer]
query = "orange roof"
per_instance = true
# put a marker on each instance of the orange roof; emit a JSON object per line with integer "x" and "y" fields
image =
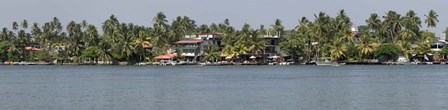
{"x": 166, "y": 56}
{"x": 32, "y": 49}
{"x": 189, "y": 41}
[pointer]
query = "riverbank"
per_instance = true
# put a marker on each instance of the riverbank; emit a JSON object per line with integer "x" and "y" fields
{"x": 225, "y": 64}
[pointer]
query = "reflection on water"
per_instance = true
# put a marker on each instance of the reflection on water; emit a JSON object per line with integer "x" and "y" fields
{"x": 223, "y": 87}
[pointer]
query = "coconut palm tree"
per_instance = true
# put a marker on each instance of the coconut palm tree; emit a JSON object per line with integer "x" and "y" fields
{"x": 342, "y": 26}
{"x": 257, "y": 43}
{"x": 75, "y": 36}
{"x": 36, "y": 31}
{"x": 411, "y": 21}
{"x": 337, "y": 50}
{"x": 320, "y": 30}
{"x": 92, "y": 36}
{"x": 244, "y": 35}
{"x": 392, "y": 25}
{"x": 15, "y": 26}
{"x": 160, "y": 20}
{"x": 104, "y": 49}
{"x": 374, "y": 22}
{"x": 278, "y": 27}
{"x": 431, "y": 18}
{"x": 212, "y": 53}
{"x": 140, "y": 42}
{"x": 366, "y": 46}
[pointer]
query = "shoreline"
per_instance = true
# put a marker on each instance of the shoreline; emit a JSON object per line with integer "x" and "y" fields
{"x": 240, "y": 64}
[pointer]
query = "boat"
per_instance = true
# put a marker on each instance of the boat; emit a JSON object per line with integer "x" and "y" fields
{"x": 403, "y": 61}
{"x": 167, "y": 62}
{"x": 324, "y": 63}
{"x": 329, "y": 63}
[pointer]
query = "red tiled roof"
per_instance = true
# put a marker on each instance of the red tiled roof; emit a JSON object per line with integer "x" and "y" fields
{"x": 213, "y": 33}
{"x": 32, "y": 49}
{"x": 166, "y": 56}
{"x": 189, "y": 41}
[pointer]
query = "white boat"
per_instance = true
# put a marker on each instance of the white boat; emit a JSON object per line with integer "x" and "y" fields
{"x": 167, "y": 62}
{"x": 329, "y": 63}
{"x": 403, "y": 61}
{"x": 324, "y": 63}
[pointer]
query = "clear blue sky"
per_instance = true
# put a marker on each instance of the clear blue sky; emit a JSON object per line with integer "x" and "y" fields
{"x": 254, "y": 12}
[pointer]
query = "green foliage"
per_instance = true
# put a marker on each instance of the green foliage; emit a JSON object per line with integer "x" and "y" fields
{"x": 43, "y": 55}
{"x": 388, "y": 50}
{"x": 4, "y": 46}
{"x": 212, "y": 54}
{"x": 352, "y": 52}
{"x": 444, "y": 51}
{"x": 322, "y": 36}
{"x": 90, "y": 52}
{"x": 293, "y": 46}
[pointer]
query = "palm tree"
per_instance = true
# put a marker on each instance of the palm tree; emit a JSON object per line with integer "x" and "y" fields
{"x": 392, "y": 25}
{"x": 342, "y": 25}
{"x": 337, "y": 50}
{"x": 320, "y": 30}
{"x": 140, "y": 42}
{"x": 160, "y": 20}
{"x": 431, "y": 19}
{"x": 35, "y": 31}
{"x": 203, "y": 29}
{"x": 374, "y": 22}
{"x": 278, "y": 27}
{"x": 229, "y": 51}
{"x": 212, "y": 53}
{"x": 257, "y": 43}
{"x": 15, "y": 26}
{"x": 92, "y": 36}
{"x": 412, "y": 22}
{"x": 104, "y": 48}
{"x": 366, "y": 46}
{"x": 75, "y": 37}
{"x": 4, "y": 36}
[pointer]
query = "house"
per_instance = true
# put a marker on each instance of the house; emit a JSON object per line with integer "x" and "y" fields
{"x": 272, "y": 45}
{"x": 191, "y": 47}
{"x": 438, "y": 45}
{"x": 214, "y": 37}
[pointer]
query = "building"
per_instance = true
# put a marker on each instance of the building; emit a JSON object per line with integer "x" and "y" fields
{"x": 438, "y": 45}
{"x": 193, "y": 46}
{"x": 272, "y": 45}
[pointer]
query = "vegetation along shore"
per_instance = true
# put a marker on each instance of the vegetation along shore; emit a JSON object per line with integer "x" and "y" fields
{"x": 392, "y": 37}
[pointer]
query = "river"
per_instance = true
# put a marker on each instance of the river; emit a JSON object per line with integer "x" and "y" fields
{"x": 350, "y": 87}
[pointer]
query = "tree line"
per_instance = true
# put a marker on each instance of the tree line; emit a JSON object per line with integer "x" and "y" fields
{"x": 323, "y": 36}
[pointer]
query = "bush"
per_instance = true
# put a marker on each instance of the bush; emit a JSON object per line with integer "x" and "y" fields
{"x": 388, "y": 51}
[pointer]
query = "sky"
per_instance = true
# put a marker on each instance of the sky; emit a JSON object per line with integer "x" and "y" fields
{"x": 253, "y": 12}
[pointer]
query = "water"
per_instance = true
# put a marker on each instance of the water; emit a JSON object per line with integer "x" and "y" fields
{"x": 421, "y": 87}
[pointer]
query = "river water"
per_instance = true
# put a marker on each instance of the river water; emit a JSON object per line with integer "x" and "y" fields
{"x": 378, "y": 87}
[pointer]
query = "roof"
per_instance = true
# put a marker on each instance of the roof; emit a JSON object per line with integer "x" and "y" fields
{"x": 32, "y": 49}
{"x": 166, "y": 56}
{"x": 213, "y": 33}
{"x": 189, "y": 41}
